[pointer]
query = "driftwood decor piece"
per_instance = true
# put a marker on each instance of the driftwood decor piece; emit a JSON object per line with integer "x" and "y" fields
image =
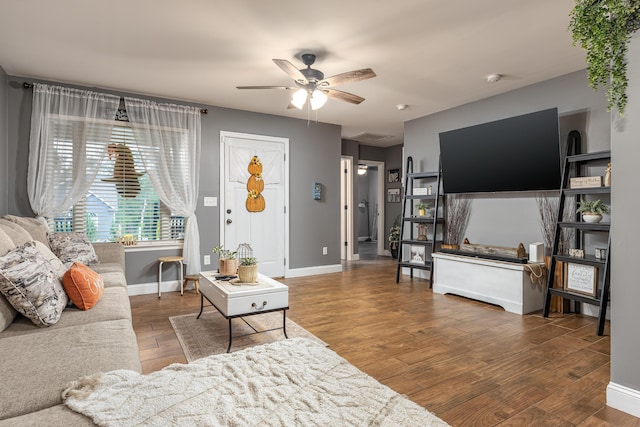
{"x": 501, "y": 251}
{"x": 124, "y": 172}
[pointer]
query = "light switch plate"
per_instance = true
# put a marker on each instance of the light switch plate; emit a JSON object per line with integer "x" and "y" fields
{"x": 211, "y": 201}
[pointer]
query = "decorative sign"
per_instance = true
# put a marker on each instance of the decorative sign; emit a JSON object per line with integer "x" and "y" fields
{"x": 585, "y": 182}
{"x": 393, "y": 175}
{"x": 581, "y": 279}
{"x": 393, "y": 195}
{"x": 417, "y": 254}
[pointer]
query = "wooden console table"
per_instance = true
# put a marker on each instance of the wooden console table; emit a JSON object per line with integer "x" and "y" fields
{"x": 506, "y": 284}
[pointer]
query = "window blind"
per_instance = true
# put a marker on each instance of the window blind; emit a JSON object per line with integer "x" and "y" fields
{"x": 121, "y": 204}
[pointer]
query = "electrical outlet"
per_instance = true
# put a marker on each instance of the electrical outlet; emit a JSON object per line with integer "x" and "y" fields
{"x": 324, "y": 250}
{"x": 207, "y": 259}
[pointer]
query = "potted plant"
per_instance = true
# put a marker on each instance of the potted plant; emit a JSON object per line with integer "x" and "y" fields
{"x": 227, "y": 262}
{"x": 394, "y": 237}
{"x": 603, "y": 29}
{"x": 592, "y": 210}
{"x": 248, "y": 270}
{"x": 422, "y": 208}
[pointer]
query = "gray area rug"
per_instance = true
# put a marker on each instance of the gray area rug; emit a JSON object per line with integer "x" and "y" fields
{"x": 294, "y": 382}
{"x": 209, "y": 334}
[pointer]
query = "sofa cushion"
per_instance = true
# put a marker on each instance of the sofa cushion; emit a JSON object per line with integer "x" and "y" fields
{"x": 83, "y": 286}
{"x": 37, "y": 367}
{"x": 71, "y": 247}
{"x": 7, "y": 313}
{"x": 59, "y": 415}
{"x": 114, "y": 305}
{"x": 31, "y": 285}
{"x": 113, "y": 278}
{"x": 36, "y": 228}
{"x": 17, "y": 235}
{"x": 6, "y": 244}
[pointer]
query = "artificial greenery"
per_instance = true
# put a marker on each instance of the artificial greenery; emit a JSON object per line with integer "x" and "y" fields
{"x": 248, "y": 261}
{"x": 223, "y": 253}
{"x": 592, "y": 207}
{"x": 603, "y": 29}
{"x": 394, "y": 232}
{"x": 423, "y": 205}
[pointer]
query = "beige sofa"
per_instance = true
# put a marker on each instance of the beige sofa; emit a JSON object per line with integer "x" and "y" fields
{"x": 37, "y": 363}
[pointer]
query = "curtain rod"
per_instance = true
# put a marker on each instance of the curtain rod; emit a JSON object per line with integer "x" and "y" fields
{"x": 27, "y": 85}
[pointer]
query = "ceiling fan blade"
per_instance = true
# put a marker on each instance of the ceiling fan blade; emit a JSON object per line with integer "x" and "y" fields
{"x": 343, "y": 96}
{"x": 348, "y": 77}
{"x": 291, "y": 70}
{"x": 264, "y": 87}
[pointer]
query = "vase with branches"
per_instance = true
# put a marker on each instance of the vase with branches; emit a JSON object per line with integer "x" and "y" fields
{"x": 548, "y": 209}
{"x": 457, "y": 213}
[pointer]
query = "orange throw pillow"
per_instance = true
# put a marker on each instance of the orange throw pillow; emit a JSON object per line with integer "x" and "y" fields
{"x": 83, "y": 285}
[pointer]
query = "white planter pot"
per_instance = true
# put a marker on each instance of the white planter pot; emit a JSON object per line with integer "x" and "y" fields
{"x": 589, "y": 217}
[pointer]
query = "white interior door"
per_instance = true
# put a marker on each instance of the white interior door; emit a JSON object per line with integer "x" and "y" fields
{"x": 346, "y": 218}
{"x": 264, "y": 231}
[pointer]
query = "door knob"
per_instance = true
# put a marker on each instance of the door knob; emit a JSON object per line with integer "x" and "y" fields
{"x": 229, "y": 221}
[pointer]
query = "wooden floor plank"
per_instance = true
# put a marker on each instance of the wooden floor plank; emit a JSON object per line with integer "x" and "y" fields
{"x": 471, "y": 363}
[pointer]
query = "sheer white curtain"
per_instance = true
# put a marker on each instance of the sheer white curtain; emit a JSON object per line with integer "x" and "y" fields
{"x": 168, "y": 138}
{"x": 64, "y": 119}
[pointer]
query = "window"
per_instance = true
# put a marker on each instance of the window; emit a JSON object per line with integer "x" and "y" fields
{"x": 121, "y": 203}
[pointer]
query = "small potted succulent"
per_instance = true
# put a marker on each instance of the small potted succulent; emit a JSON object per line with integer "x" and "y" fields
{"x": 227, "y": 262}
{"x": 248, "y": 270}
{"x": 592, "y": 210}
{"x": 422, "y": 208}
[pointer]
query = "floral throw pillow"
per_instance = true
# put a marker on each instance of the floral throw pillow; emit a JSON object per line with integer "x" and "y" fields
{"x": 72, "y": 247}
{"x": 31, "y": 285}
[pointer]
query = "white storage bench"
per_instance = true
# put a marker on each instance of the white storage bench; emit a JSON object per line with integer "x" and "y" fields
{"x": 506, "y": 284}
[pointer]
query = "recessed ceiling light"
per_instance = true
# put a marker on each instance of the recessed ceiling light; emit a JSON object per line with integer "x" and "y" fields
{"x": 401, "y": 107}
{"x": 493, "y": 78}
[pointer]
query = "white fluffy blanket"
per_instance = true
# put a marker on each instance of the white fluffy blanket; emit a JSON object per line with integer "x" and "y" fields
{"x": 295, "y": 382}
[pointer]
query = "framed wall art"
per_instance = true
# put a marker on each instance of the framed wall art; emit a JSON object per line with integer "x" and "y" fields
{"x": 393, "y": 195}
{"x": 581, "y": 279}
{"x": 393, "y": 175}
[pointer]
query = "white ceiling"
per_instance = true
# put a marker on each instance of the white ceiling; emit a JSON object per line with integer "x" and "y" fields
{"x": 429, "y": 54}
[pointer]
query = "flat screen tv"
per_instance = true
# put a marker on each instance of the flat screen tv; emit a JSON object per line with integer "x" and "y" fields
{"x": 519, "y": 153}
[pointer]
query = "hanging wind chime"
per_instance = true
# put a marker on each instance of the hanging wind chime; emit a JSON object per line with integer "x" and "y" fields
{"x": 255, "y": 186}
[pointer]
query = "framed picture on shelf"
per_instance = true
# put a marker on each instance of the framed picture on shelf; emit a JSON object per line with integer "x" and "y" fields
{"x": 393, "y": 195}
{"x": 417, "y": 254}
{"x": 581, "y": 279}
{"x": 393, "y": 175}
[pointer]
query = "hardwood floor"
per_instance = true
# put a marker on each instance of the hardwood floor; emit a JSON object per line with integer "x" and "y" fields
{"x": 470, "y": 363}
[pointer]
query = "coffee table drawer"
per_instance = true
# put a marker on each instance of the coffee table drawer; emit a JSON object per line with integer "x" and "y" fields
{"x": 257, "y": 303}
{"x": 234, "y": 301}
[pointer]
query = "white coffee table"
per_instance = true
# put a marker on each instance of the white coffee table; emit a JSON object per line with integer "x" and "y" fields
{"x": 240, "y": 300}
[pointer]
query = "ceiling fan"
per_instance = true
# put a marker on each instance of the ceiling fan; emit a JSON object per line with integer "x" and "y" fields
{"x": 311, "y": 84}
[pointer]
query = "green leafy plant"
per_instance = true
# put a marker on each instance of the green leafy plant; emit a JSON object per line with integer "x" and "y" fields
{"x": 248, "y": 261}
{"x": 423, "y": 205}
{"x": 223, "y": 253}
{"x": 394, "y": 232}
{"x": 592, "y": 207}
{"x": 603, "y": 29}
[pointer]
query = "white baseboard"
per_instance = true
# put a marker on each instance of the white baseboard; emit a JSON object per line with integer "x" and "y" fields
{"x": 152, "y": 288}
{"x": 624, "y": 399}
{"x": 312, "y": 271}
{"x": 355, "y": 257}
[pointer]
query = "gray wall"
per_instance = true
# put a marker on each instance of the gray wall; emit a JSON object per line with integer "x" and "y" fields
{"x": 4, "y": 142}
{"x": 314, "y": 156}
{"x": 510, "y": 218}
{"x": 625, "y": 292}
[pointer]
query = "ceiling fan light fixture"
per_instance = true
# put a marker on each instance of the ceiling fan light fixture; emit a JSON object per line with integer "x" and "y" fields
{"x": 299, "y": 98}
{"x": 318, "y": 99}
